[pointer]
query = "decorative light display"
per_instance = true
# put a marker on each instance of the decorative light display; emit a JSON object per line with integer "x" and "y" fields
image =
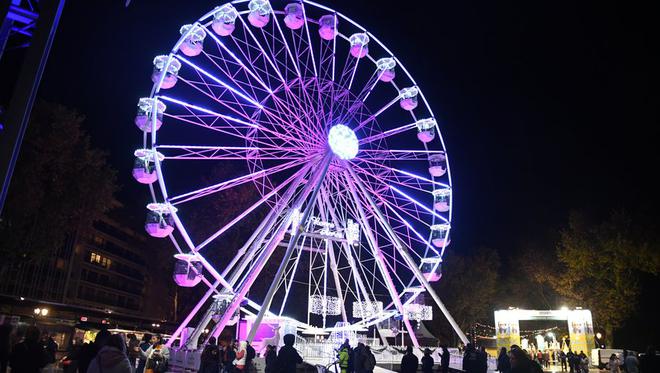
{"x": 324, "y": 305}
{"x": 343, "y": 142}
{"x": 367, "y": 309}
{"x": 296, "y": 216}
{"x": 352, "y": 232}
{"x": 419, "y": 312}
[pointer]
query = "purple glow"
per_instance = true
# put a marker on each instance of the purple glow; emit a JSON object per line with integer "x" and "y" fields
{"x": 210, "y": 76}
{"x": 207, "y": 111}
{"x": 430, "y": 211}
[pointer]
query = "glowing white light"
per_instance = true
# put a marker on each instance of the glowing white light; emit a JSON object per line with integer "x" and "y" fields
{"x": 352, "y": 232}
{"x": 367, "y": 309}
{"x": 343, "y": 141}
{"x": 296, "y": 216}
{"x": 324, "y": 305}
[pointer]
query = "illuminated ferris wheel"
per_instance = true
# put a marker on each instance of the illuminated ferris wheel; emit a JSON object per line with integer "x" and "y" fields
{"x": 315, "y": 114}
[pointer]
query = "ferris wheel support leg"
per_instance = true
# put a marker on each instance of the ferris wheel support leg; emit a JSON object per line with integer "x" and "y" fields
{"x": 262, "y": 259}
{"x": 290, "y": 248}
{"x": 409, "y": 260}
{"x": 192, "y": 314}
{"x": 380, "y": 260}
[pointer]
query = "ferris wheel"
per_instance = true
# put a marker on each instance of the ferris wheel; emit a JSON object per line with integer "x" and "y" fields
{"x": 353, "y": 190}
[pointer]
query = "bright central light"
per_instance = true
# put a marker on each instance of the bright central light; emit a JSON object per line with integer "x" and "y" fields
{"x": 343, "y": 142}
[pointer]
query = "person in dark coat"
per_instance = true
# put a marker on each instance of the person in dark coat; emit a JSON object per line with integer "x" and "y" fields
{"x": 470, "y": 359}
{"x": 503, "y": 362}
{"x": 409, "y": 361}
{"x": 427, "y": 361}
{"x": 210, "y": 359}
{"x": 521, "y": 363}
{"x": 287, "y": 357}
{"x": 483, "y": 360}
{"x": 145, "y": 344}
{"x": 89, "y": 351}
{"x": 271, "y": 359}
{"x": 444, "y": 360}
{"x": 28, "y": 356}
{"x": 70, "y": 361}
{"x": 358, "y": 358}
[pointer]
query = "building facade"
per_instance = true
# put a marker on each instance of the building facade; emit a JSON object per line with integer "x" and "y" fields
{"x": 104, "y": 268}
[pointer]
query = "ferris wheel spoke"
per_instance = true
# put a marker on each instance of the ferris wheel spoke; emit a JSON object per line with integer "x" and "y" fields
{"x": 200, "y": 152}
{"x": 409, "y": 174}
{"x": 294, "y": 60}
{"x": 247, "y": 211}
{"x": 219, "y": 187}
{"x": 225, "y": 50}
{"x": 220, "y": 82}
{"x": 373, "y": 117}
{"x": 191, "y": 107}
{"x": 389, "y": 155}
{"x": 265, "y": 54}
{"x": 388, "y": 133}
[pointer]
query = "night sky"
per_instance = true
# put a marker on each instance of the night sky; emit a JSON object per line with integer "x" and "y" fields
{"x": 544, "y": 106}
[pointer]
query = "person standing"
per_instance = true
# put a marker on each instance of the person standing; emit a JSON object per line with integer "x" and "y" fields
{"x": 503, "y": 362}
{"x": 271, "y": 359}
{"x": 51, "y": 351}
{"x": 613, "y": 364}
{"x": 470, "y": 359}
{"x": 70, "y": 361}
{"x": 287, "y": 357}
{"x": 444, "y": 360}
{"x": 584, "y": 362}
{"x": 562, "y": 359}
{"x": 157, "y": 356}
{"x": 369, "y": 360}
{"x": 409, "y": 361}
{"x": 630, "y": 362}
{"x": 228, "y": 357}
{"x": 111, "y": 358}
{"x": 343, "y": 359}
{"x": 358, "y": 358}
{"x": 5, "y": 345}
{"x": 241, "y": 356}
{"x": 210, "y": 359}
{"x": 250, "y": 354}
{"x": 427, "y": 361}
{"x": 88, "y": 352}
{"x": 133, "y": 350}
{"x": 142, "y": 357}
{"x": 521, "y": 363}
{"x": 28, "y": 356}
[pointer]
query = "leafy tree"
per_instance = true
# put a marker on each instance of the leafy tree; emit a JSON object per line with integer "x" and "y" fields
{"x": 600, "y": 266}
{"x": 61, "y": 183}
{"x": 468, "y": 288}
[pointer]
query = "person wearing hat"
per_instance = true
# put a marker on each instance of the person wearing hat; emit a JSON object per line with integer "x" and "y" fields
{"x": 427, "y": 361}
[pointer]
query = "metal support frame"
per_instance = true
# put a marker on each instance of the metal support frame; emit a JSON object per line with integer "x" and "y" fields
{"x": 27, "y": 85}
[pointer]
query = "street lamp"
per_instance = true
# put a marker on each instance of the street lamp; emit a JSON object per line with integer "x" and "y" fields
{"x": 40, "y": 311}
{"x": 598, "y": 335}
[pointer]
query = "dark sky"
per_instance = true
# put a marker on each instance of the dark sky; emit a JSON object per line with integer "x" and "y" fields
{"x": 544, "y": 106}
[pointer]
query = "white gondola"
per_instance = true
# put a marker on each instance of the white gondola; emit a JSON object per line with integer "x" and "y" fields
{"x": 386, "y": 69}
{"x": 437, "y": 164}
{"x": 259, "y": 13}
{"x": 327, "y": 27}
{"x": 224, "y": 20}
{"x": 187, "y": 270}
{"x": 294, "y": 18}
{"x": 432, "y": 268}
{"x": 426, "y": 129}
{"x": 440, "y": 235}
{"x": 441, "y": 198}
{"x": 193, "y": 44}
{"x": 159, "y": 221}
{"x": 171, "y": 73}
{"x": 144, "y": 170}
{"x": 143, "y": 118}
{"x": 408, "y": 99}
{"x": 359, "y": 45}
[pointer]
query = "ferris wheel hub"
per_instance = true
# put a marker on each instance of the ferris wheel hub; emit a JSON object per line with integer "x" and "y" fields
{"x": 343, "y": 141}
